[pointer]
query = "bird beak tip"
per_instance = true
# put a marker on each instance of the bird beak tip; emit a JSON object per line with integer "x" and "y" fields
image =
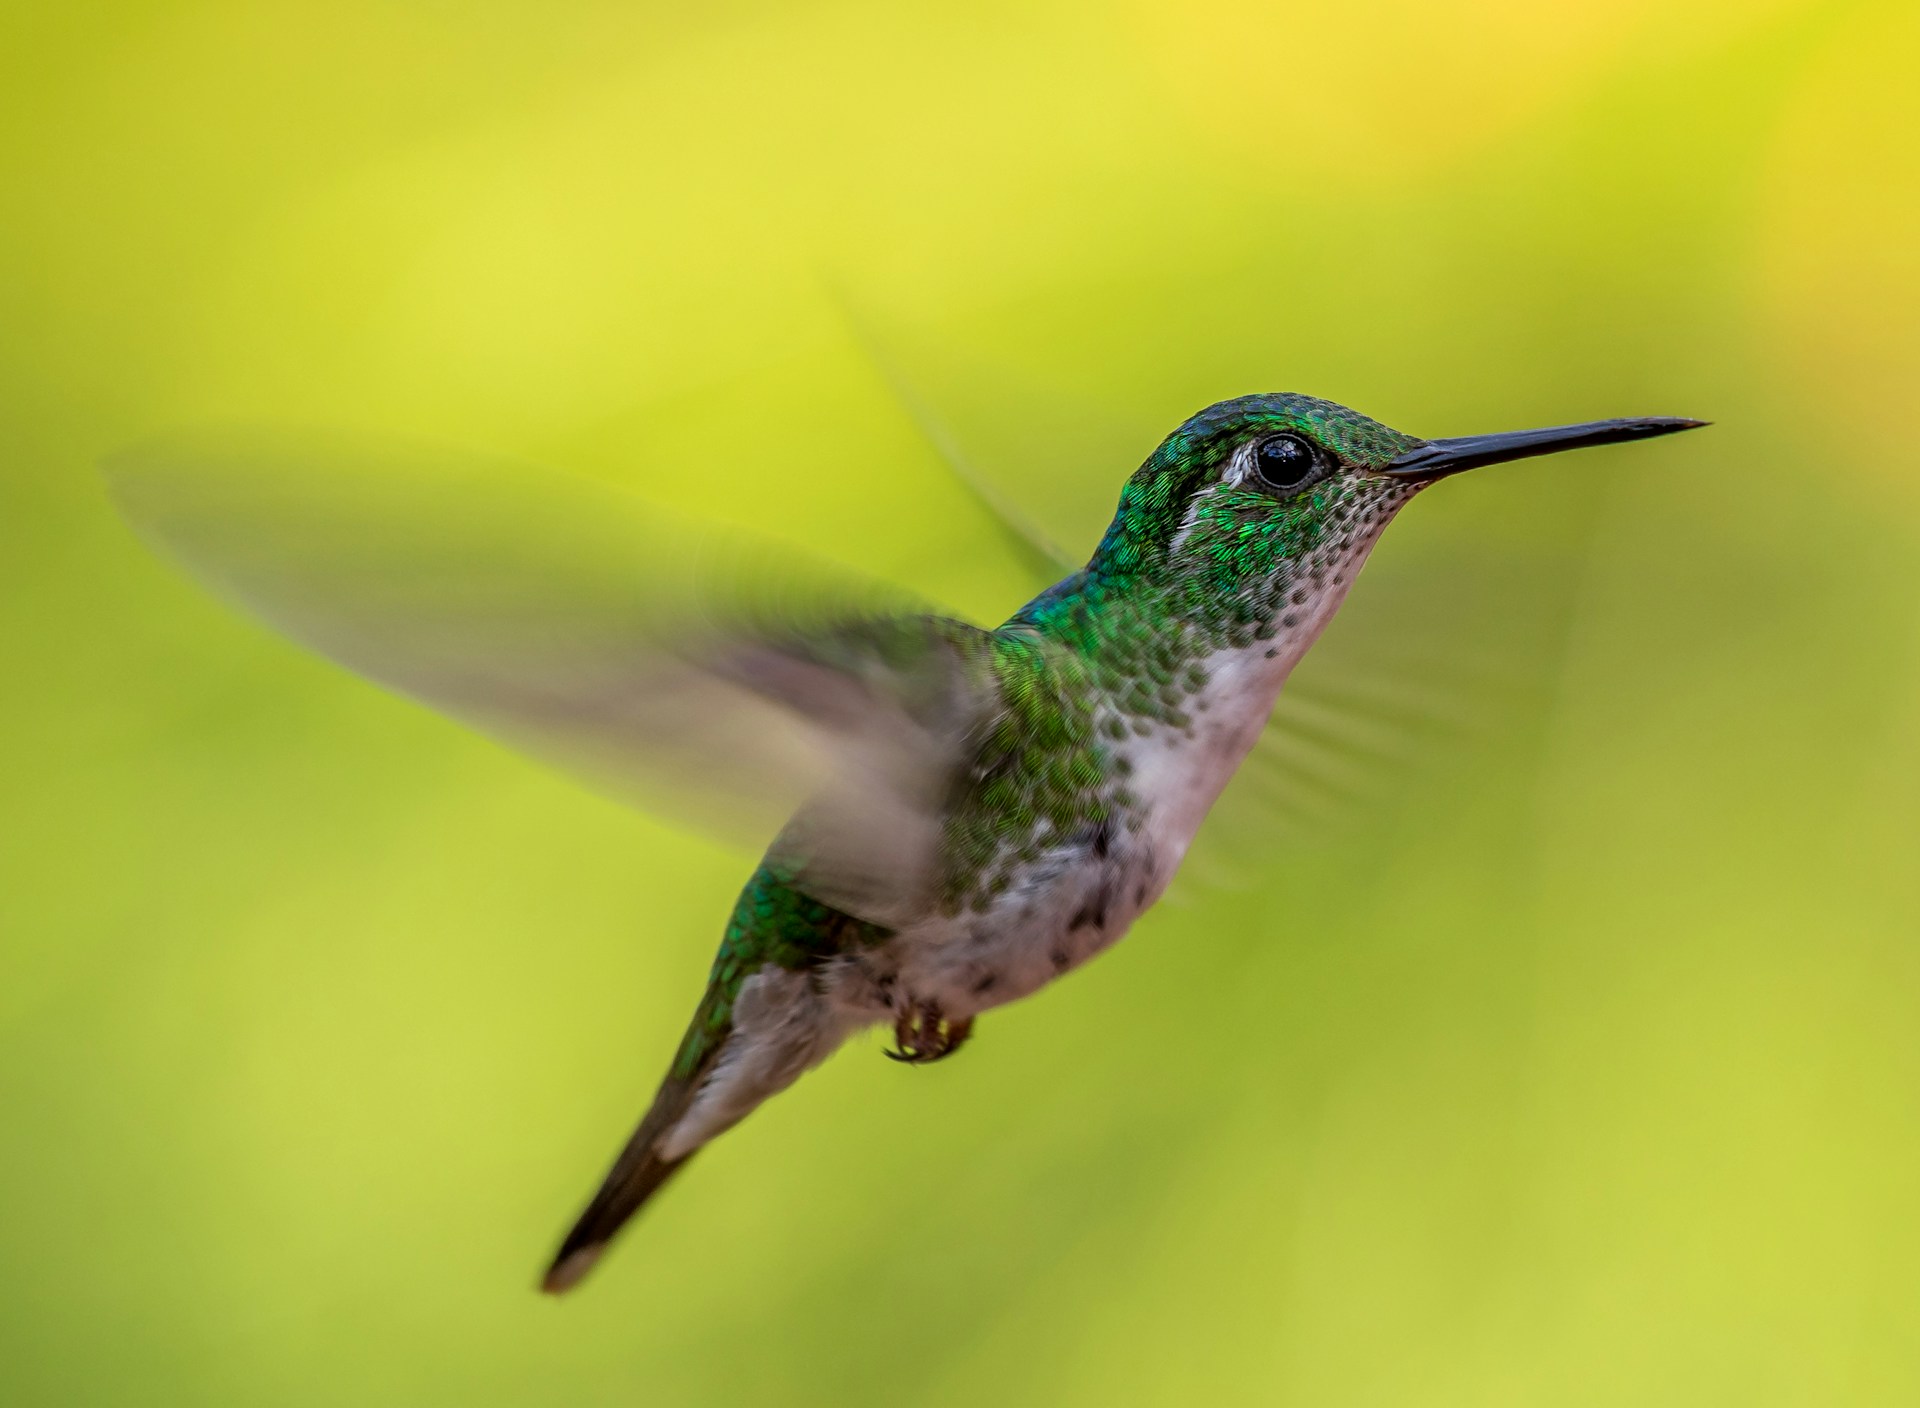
{"x": 1436, "y": 459}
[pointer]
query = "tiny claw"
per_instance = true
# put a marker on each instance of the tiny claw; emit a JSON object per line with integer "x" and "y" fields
{"x": 953, "y": 1036}
{"x": 922, "y": 1036}
{"x": 907, "y": 1035}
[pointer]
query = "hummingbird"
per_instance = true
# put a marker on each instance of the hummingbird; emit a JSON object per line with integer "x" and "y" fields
{"x": 976, "y": 812}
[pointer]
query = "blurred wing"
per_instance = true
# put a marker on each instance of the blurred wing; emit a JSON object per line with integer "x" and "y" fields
{"x": 1351, "y": 737}
{"x": 723, "y": 682}
{"x": 1037, "y": 552}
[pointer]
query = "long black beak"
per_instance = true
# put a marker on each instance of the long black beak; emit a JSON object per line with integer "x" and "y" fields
{"x": 1438, "y": 458}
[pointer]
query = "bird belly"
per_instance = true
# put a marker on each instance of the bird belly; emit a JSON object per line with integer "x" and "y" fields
{"x": 1057, "y": 911}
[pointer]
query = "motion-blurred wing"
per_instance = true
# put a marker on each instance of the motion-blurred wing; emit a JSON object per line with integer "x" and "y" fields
{"x": 724, "y": 682}
{"x": 1036, "y": 551}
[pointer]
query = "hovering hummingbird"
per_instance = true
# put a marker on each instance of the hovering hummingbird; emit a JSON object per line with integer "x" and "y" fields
{"x": 978, "y": 811}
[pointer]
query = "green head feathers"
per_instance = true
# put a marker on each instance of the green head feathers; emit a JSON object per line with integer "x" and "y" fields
{"x": 1245, "y": 484}
{"x": 1236, "y": 507}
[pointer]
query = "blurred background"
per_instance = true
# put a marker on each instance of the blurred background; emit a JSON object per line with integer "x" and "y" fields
{"x": 1573, "y": 1060}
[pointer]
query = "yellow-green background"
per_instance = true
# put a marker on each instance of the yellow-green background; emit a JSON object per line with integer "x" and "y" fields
{"x": 1578, "y": 1063}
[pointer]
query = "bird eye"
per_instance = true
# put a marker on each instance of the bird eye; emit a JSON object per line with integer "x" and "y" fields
{"x": 1285, "y": 461}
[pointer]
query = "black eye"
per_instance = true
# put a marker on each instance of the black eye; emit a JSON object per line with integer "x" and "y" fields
{"x": 1285, "y": 461}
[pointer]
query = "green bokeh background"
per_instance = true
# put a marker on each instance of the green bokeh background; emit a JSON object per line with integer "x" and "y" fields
{"x": 1576, "y": 1062}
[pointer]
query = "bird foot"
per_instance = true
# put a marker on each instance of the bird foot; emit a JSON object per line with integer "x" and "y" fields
{"x": 921, "y": 1035}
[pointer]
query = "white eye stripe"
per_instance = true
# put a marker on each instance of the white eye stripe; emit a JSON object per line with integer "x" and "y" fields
{"x": 1193, "y": 508}
{"x": 1240, "y": 468}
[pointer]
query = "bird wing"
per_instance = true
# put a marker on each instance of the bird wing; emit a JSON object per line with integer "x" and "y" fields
{"x": 721, "y": 681}
{"x": 1035, "y": 550}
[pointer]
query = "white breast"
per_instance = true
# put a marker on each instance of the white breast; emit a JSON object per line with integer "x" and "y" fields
{"x": 1079, "y": 897}
{"x": 1178, "y": 775}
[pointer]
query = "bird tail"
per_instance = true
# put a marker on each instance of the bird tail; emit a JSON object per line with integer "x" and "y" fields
{"x": 639, "y": 1171}
{"x": 776, "y": 1025}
